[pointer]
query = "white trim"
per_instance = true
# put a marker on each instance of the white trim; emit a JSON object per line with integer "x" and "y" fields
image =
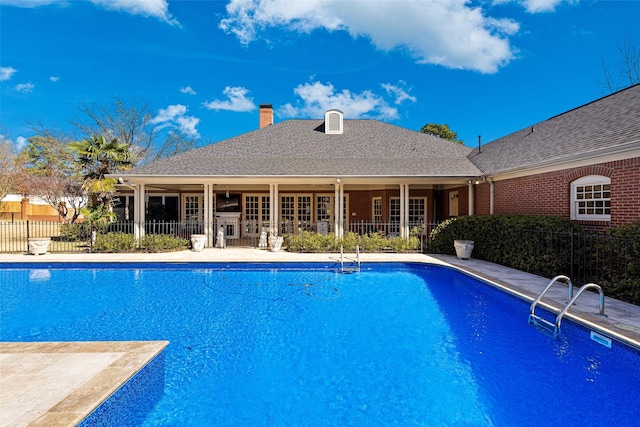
{"x": 589, "y": 180}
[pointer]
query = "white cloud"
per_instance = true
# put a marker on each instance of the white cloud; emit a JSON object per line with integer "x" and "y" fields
{"x": 24, "y": 87}
{"x": 32, "y": 3}
{"x": 54, "y": 78}
{"x": 450, "y": 33}
{"x": 398, "y": 92}
{"x": 537, "y": 6}
{"x": 21, "y": 142}
{"x": 238, "y": 100}
{"x": 317, "y": 98}
{"x": 6, "y": 73}
{"x": 188, "y": 90}
{"x": 174, "y": 118}
{"x": 148, "y": 8}
{"x": 154, "y": 8}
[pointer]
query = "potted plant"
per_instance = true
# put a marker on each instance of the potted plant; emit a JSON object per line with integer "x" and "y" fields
{"x": 198, "y": 241}
{"x": 39, "y": 245}
{"x": 463, "y": 248}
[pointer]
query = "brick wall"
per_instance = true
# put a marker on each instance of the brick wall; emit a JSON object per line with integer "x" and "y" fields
{"x": 550, "y": 193}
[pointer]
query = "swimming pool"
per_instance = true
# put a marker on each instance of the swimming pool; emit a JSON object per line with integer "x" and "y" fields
{"x": 278, "y": 344}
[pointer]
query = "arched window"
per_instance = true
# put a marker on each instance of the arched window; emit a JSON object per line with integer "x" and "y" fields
{"x": 591, "y": 198}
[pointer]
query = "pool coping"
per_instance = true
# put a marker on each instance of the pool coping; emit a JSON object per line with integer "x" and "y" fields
{"x": 42, "y": 383}
{"x": 622, "y": 323}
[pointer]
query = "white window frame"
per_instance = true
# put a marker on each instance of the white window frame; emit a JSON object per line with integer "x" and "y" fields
{"x": 376, "y": 210}
{"x": 578, "y": 188}
{"x": 255, "y": 221}
{"x": 200, "y": 210}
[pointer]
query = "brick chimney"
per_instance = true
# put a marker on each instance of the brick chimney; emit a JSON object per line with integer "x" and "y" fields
{"x": 266, "y": 115}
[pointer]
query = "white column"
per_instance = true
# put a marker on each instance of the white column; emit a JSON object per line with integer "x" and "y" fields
{"x": 208, "y": 213}
{"x": 336, "y": 209}
{"x": 271, "y": 208}
{"x": 471, "y": 197}
{"x": 139, "y": 215}
{"x": 406, "y": 211}
{"x": 276, "y": 208}
{"x": 341, "y": 213}
{"x": 402, "y": 210}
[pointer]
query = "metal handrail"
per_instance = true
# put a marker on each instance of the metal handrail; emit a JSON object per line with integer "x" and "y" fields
{"x": 551, "y": 283}
{"x": 573, "y": 300}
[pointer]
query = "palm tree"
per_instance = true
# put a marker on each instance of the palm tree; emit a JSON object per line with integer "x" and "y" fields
{"x": 99, "y": 157}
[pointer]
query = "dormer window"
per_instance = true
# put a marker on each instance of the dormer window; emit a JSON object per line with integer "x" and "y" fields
{"x": 333, "y": 122}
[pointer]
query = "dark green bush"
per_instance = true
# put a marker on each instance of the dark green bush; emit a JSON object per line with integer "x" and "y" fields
{"x": 315, "y": 242}
{"x": 622, "y": 275}
{"x": 536, "y": 244}
{"x": 163, "y": 243}
{"x": 548, "y": 246}
{"x": 115, "y": 242}
{"x": 126, "y": 242}
{"x": 75, "y": 232}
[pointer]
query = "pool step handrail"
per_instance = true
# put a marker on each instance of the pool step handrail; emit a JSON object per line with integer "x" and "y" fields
{"x": 354, "y": 263}
{"x": 573, "y": 300}
{"x": 554, "y": 328}
{"x": 540, "y": 322}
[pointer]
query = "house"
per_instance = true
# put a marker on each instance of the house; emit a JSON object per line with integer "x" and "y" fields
{"x": 583, "y": 164}
{"x": 336, "y": 175}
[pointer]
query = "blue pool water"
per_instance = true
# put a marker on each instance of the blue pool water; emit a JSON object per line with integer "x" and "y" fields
{"x": 284, "y": 345}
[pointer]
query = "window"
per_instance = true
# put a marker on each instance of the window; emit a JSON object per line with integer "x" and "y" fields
{"x": 591, "y": 198}
{"x": 295, "y": 212}
{"x": 324, "y": 207}
{"x": 256, "y": 213}
{"x": 417, "y": 213}
{"x": 377, "y": 210}
{"x": 394, "y": 216}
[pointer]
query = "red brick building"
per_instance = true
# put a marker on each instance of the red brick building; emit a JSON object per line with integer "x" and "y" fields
{"x": 583, "y": 164}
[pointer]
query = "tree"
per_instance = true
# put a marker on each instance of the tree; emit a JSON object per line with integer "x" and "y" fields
{"x": 441, "y": 131}
{"x": 130, "y": 122}
{"x": 48, "y": 170}
{"x": 99, "y": 157}
{"x": 626, "y": 70}
{"x": 7, "y": 166}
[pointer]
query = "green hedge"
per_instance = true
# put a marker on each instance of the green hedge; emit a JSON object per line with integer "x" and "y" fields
{"x": 126, "y": 242}
{"x": 624, "y": 280}
{"x": 536, "y": 244}
{"x": 314, "y": 242}
{"x": 548, "y": 246}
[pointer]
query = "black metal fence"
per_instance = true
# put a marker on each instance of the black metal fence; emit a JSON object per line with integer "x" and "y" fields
{"x": 585, "y": 257}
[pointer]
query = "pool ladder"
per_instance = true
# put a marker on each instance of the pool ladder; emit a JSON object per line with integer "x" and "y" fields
{"x": 554, "y": 328}
{"x": 348, "y": 264}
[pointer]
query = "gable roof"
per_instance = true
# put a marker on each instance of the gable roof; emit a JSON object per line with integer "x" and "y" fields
{"x": 366, "y": 148}
{"x": 597, "y": 128}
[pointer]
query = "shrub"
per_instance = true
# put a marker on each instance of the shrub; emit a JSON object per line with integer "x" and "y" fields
{"x": 75, "y": 232}
{"x": 622, "y": 276}
{"x": 537, "y": 244}
{"x": 163, "y": 242}
{"x": 126, "y": 242}
{"x": 314, "y": 242}
{"x": 115, "y": 242}
{"x": 310, "y": 242}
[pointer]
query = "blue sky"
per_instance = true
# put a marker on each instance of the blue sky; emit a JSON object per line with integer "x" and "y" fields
{"x": 484, "y": 67}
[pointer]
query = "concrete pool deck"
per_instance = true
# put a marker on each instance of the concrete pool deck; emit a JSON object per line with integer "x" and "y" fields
{"x": 58, "y": 384}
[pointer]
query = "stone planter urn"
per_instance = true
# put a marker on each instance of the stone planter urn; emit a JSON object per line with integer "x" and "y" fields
{"x": 275, "y": 243}
{"x": 198, "y": 241}
{"x": 463, "y": 248}
{"x": 39, "y": 245}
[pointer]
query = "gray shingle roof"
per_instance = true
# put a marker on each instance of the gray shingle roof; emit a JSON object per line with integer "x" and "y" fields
{"x": 603, "y": 124}
{"x": 301, "y": 148}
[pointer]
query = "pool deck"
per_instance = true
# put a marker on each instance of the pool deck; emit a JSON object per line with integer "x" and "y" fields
{"x": 59, "y": 384}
